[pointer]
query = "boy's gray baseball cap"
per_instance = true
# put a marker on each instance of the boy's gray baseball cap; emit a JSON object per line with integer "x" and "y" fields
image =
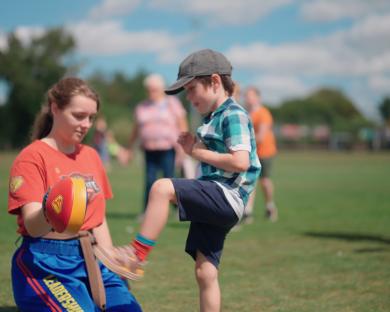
{"x": 200, "y": 63}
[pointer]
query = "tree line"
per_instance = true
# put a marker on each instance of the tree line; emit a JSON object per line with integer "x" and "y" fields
{"x": 28, "y": 70}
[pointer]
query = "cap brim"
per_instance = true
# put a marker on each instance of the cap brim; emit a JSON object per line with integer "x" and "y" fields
{"x": 178, "y": 85}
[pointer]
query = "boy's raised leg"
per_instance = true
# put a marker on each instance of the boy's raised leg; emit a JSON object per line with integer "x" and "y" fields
{"x": 157, "y": 210}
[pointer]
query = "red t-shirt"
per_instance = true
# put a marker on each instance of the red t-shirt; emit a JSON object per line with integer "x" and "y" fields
{"x": 39, "y": 166}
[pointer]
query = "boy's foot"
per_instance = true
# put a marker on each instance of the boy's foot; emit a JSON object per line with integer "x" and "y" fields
{"x": 271, "y": 212}
{"x": 121, "y": 260}
{"x": 247, "y": 219}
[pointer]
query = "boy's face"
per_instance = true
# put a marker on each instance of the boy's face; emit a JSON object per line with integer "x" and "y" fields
{"x": 202, "y": 97}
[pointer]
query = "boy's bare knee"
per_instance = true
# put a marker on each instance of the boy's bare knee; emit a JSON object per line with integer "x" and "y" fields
{"x": 162, "y": 187}
{"x": 205, "y": 275}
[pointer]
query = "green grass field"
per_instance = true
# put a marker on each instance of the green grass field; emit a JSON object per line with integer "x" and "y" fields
{"x": 330, "y": 250}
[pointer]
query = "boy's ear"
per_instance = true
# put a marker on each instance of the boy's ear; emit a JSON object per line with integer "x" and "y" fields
{"x": 215, "y": 80}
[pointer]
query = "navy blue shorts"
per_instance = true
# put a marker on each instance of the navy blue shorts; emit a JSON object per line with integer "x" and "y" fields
{"x": 50, "y": 275}
{"x": 205, "y": 205}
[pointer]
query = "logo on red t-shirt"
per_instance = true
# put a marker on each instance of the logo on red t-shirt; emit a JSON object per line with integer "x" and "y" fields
{"x": 15, "y": 183}
{"x": 92, "y": 187}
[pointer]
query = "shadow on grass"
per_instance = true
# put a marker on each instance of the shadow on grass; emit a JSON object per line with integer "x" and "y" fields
{"x": 8, "y": 309}
{"x": 352, "y": 237}
{"x": 369, "y": 250}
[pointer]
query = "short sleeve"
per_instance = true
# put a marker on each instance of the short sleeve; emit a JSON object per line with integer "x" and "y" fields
{"x": 26, "y": 185}
{"x": 236, "y": 131}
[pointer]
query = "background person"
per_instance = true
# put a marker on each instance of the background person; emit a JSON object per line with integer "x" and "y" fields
{"x": 105, "y": 143}
{"x": 116, "y": 150}
{"x": 158, "y": 121}
{"x": 100, "y": 141}
{"x": 266, "y": 150}
{"x": 49, "y": 267}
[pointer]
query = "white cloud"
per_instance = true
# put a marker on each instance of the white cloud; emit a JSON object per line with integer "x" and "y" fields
{"x": 359, "y": 54}
{"x": 24, "y": 33}
{"x": 222, "y": 11}
{"x": 113, "y": 8}
{"x": 361, "y": 50}
{"x": 285, "y": 58}
{"x": 380, "y": 84}
{"x": 277, "y": 88}
{"x": 369, "y": 35}
{"x": 331, "y": 10}
{"x": 110, "y": 38}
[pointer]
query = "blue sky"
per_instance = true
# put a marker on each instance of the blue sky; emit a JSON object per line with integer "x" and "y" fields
{"x": 287, "y": 48}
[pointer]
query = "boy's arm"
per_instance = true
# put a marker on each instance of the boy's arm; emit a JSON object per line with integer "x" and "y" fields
{"x": 235, "y": 161}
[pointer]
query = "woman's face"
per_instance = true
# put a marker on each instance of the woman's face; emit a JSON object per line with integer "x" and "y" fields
{"x": 71, "y": 124}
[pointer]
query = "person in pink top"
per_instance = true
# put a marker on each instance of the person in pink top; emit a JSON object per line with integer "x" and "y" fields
{"x": 158, "y": 121}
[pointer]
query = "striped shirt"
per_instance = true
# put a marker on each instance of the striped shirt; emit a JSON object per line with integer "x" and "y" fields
{"x": 228, "y": 129}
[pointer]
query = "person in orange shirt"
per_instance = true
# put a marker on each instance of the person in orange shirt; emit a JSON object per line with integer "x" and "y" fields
{"x": 49, "y": 269}
{"x": 266, "y": 150}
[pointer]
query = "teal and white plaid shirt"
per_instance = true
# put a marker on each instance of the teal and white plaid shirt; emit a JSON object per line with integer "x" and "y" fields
{"x": 227, "y": 129}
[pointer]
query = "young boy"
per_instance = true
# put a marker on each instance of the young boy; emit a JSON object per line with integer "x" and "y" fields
{"x": 226, "y": 148}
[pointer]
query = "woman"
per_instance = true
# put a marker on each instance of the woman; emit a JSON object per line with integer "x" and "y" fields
{"x": 157, "y": 125}
{"x": 48, "y": 269}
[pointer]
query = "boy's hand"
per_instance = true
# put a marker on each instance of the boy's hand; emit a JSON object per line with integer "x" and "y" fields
{"x": 187, "y": 142}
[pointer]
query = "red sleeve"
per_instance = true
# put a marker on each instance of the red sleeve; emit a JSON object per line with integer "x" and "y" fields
{"x": 26, "y": 185}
